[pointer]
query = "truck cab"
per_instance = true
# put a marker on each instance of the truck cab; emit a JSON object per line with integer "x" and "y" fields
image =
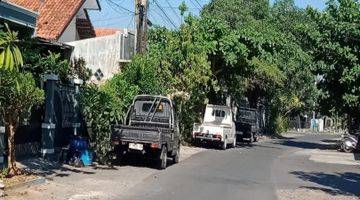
{"x": 151, "y": 128}
{"x": 218, "y": 127}
{"x": 247, "y": 124}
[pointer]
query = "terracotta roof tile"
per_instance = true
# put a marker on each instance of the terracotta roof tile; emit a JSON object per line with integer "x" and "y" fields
{"x": 54, "y": 15}
{"x": 100, "y": 32}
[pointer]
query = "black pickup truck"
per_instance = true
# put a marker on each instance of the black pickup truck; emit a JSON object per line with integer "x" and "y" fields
{"x": 247, "y": 124}
{"x": 150, "y": 128}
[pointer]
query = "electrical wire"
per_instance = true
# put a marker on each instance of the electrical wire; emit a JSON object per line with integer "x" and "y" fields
{"x": 111, "y": 18}
{"x": 162, "y": 18}
{"x": 173, "y": 10}
{"x": 131, "y": 22}
{"x": 192, "y": 2}
{"x": 113, "y": 8}
{"x": 119, "y": 6}
{"x": 162, "y": 10}
{"x": 197, "y": 1}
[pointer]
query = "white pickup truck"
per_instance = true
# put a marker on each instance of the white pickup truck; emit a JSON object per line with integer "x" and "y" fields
{"x": 218, "y": 127}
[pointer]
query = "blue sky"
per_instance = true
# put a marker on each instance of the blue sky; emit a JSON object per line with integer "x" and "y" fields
{"x": 119, "y": 13}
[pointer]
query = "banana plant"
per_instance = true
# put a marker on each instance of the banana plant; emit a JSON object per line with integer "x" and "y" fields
{"x": 10, "y": 55}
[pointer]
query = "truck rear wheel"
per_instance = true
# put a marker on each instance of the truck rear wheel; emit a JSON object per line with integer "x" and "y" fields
{"x": 163, "y": 158}
{"x": 252, "y": 137}
{"x": 256, "y": 139}
{"x": 224, "y": 144}
{"x": 176, "y": 157}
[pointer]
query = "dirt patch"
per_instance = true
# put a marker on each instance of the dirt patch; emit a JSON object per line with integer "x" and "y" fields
{"x": 9, "y": 182}
{"x": 309, "y": 194}
{"x": 186, "y": 152}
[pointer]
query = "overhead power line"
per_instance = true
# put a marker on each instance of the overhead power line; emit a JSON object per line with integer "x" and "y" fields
{"x": 173, "y": 10}
{"x": 113, "y": 8}
{"x": 119, "y": 6}
{"x": 161, "y": 17}
{"x": 196, "y": 6}
{"x": 131, "y": 22}
{"x": 111, "y": 18}
{"x": 162, "y": 10}
{"x": 197, "y": 1}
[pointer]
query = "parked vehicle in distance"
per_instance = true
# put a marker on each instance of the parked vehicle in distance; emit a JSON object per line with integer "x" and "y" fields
{"x": 150, "y": 128}
{"x": 218, "y": 127}
{"x": 349, "y": 143}
{"x": 247, "y": 125}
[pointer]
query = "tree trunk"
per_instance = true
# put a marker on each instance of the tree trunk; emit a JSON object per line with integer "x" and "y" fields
{"x": 11, "y": 128}
{"x": 353, "y": 122}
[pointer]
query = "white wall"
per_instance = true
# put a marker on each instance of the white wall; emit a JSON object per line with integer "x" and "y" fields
{"x": 103, "y": 53}
{"x": 70, "y": 33}
{"x": 99, "y": 53}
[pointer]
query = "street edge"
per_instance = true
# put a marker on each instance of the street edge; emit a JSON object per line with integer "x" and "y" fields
{"x": 37, "y": 181}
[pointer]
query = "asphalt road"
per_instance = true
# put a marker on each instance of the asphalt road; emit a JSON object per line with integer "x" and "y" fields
{"x": 253, "y": 172}
{"x": 304, "y": 167}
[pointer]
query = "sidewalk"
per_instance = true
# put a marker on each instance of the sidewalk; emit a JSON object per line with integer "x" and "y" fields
{"x": 100, "y": 182}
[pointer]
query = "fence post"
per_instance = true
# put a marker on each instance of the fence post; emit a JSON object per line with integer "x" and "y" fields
{"x": 2, "y": 146}
{"x": 48, "y": 126}
{"x": 76, "y": 124}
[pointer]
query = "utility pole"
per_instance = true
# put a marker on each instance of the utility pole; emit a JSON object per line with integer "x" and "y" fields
{"x": 141, "y": 11}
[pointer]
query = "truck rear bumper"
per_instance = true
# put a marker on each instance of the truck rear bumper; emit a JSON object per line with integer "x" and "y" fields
{"x": 204, "y": 138}
{"x": 125, "y": 143}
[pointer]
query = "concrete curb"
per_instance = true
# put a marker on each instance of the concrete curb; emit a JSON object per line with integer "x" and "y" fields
{"x": 37, "y": 181}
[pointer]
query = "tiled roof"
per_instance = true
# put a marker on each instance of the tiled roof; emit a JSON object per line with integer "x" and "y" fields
{"x": 54, "y": 15}
{"x": 31, "y": 5}
{"x": 99, "y": 32}
{"x": 85, "y": 28}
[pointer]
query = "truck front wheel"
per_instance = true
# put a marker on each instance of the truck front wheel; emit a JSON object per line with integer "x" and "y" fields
{"x": 163, "y": 158}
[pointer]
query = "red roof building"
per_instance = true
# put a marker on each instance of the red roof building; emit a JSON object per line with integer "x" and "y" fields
{"x": 62, "y": 20}
{"x": 100, "y": 32}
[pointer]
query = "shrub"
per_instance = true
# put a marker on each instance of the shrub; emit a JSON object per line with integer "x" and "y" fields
{"x": 100, "y": 109}
{"x": 18, "y": 94}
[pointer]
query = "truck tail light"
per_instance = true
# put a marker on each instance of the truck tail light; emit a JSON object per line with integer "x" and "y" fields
{"x": 217, "y": 136}
{"x": 154, "y": 145}
{"x": 197, "y": 134}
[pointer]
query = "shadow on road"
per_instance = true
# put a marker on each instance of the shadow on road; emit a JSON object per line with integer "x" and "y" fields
{"x": 47, "y": 168}
{"x": 137, "y": 160}
{"x": 338, "y": 183}
{"x": 266, "y": 146}
{"x": 334, "y": 141}
{"x": 309, "y": 145}
{"x": 357, "y": 156}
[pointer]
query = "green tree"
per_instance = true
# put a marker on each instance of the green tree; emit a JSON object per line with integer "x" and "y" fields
{"x": 237, "y": 12}
{"x": 333, "y": 41}
{"x": 38, "y": 64}
{"x": 21, "y": 94}
{"x": 258, "y": 57}
{"x": 10, "y": 55}
{"x": 181, "y": 60}
{"x": 107, "y": 104}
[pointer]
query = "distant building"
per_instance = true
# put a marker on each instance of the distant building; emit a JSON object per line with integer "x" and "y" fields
{"x": 101, "y": 32}
{"x": 106, "y": 53}
{"x": 61, "y": 20}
